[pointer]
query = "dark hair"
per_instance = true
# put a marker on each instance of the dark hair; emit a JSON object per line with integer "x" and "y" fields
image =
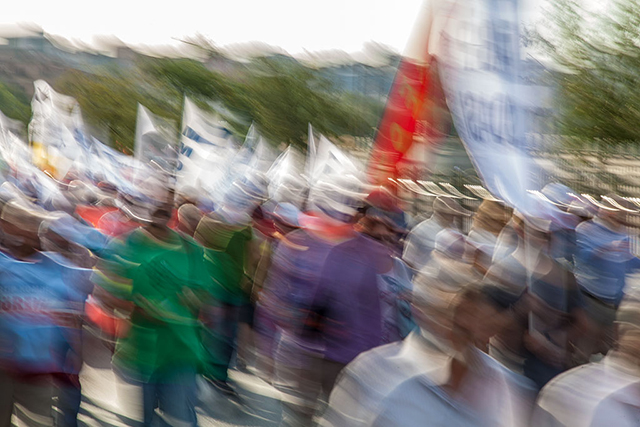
{"x": 490, "y": 294}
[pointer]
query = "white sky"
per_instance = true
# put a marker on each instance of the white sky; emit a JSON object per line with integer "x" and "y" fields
{"x": 295, "y": 25}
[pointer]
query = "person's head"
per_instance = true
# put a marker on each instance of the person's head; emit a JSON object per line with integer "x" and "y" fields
{"x": 385, "y": 226}
{"x": 286, "y": 217}
{"x": 534, "y": 231}
{"x": 382, "y": 218}
{"x": 161, "y": 215}
{"x": 437, "y": 285}
{"x": 20, "y": 224}
{"x": 477, "y": 316}
{"x": 51, "y": 241}
{"x": 189, "y": 217}
{"x": 215, "y": 232}
{"x": 155, "y": 204}
{"x": 491, "y": 216}
{"x": 243, "y": 197}
{"x": 617, "y": 210}
{"x": 337, "y": 199}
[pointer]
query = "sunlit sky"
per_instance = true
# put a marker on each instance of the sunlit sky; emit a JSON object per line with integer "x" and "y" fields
{"x": 294, "y": 25}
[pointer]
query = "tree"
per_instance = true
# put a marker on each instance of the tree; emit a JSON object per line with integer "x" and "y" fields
{"x": 109, "y": 103}
{"x": 14, "y": 103}
{"x": 598, "y": 91}
{"x": 277, "y": 93}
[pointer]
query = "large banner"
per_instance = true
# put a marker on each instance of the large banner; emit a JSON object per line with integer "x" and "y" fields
{"x": 481, "y": 67}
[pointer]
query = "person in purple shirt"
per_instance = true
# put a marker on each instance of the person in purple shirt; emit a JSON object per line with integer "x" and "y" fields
{"x": 351, "y": 303}
{"x": 289, "y": 291}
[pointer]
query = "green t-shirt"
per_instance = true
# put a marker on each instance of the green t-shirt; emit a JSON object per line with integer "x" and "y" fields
{"x": 228, "y": 266}
{"x": 165, "y": 332}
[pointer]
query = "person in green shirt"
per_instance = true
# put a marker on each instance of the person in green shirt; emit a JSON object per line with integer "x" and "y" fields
{"x": 225, "y": 256}
{"x": 227, "y": 236}
{"x": 161, "y": 275}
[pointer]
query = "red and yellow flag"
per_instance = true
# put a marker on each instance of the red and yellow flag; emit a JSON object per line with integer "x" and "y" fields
{"x": 402, "y": 120}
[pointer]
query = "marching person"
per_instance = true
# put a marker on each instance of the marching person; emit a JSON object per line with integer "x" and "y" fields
{"x": 365, "y": 382}
{"x": 161, "y": 276}
{"x": 603, "y": 260}
{"x": 599, "y": 394}
{"x": 292, "y": 284}
{"x": 420, "y": 241}
{"x": 466, "y": 387}
{"x": 228, "y": 239}
{"x": 39, "y": 318}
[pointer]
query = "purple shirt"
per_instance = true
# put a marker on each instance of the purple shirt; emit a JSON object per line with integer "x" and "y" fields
{"x": 348, "y": 298}
{"x": 293, "y": 281}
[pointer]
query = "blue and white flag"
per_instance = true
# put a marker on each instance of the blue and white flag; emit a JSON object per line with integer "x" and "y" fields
{"x": 480, "y": 63}
{"x": 205, "y": 146}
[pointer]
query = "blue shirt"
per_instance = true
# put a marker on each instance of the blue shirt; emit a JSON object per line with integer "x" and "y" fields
{"x": 599, "y": 269}
{"x": 37, "y": 308}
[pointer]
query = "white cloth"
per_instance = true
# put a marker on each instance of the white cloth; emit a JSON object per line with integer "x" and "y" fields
{"x": 606, "y": 393}
{"x": 489, "y": 396}
{"x": 420, "y": 241}
{"x": 366, "y": 381}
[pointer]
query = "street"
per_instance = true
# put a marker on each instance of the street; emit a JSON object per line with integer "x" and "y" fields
{"x": 108, "y": 401}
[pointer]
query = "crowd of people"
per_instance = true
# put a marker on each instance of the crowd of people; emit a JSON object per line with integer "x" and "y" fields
{"x": 360, "y": 313}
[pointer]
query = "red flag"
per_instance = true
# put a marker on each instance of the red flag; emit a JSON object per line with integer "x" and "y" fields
{"x": 400, "y": 122}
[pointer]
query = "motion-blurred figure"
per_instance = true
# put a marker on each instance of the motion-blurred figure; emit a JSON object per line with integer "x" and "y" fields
{"x": 600, "y": 394}
{"x": 39, "y": 324}
{"x": 548, "y": 319}
{"x": 291, "y": 287}
{"x": 227, "y": 237}
{"x": 268, "y": 291}
{"x": 468, "y": 388}
{"x": 357, "y": 301}
{"x": 366, "y": 381}
{"x": 75, "y": 263}
{"x": 420, "y": 241}
{"x": 161, "y": 275}
{"x": 488, "y": 222}
{"x": 603, "y": 260}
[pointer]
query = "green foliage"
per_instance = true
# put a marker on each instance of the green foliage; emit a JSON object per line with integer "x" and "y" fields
{"x": 278, "y": 94}
{"x": 109, "y": 103}
{"x": 599, "y": 93}
{"x": 14, "y": 103}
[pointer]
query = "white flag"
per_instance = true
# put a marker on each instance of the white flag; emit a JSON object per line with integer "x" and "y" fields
{"x": 155, "y": 141}
{"x": 330, "y": 160}
{"x": 56, "y": 130}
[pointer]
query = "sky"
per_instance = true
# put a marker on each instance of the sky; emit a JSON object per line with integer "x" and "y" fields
{"x": 294, "y": 25}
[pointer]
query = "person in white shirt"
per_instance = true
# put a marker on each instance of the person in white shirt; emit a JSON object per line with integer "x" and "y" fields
{"x": 420, "y": 242}
{"x": 488, "y": 222}
{"x": 606, "y": 393}
{"x": 470, "y": 388}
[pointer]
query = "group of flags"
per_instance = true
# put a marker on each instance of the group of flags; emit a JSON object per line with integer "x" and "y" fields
{"x": 204, "y": 158}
